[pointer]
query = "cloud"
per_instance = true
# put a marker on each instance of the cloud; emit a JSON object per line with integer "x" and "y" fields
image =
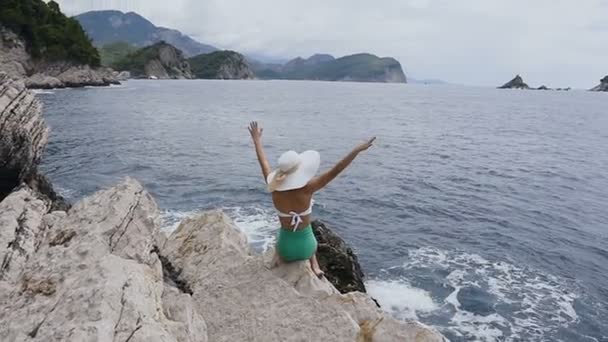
{"x": 480, "y": 42}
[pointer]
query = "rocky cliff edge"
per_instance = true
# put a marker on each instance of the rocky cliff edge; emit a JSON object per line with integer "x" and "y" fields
{"x": 103, "y": 271}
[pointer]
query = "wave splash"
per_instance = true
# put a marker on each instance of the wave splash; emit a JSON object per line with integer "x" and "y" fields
{"x": 471, "y": 298}
{"x": 259, "y": 225}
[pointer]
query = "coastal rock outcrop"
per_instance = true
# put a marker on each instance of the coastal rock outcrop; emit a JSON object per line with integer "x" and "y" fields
{"x": 289, "y": 302}
{"x": 89, "y": 274}
{"x": 515, "y": 83}
{"x": 103, "y": 271}
{"x": 17, "y": 63}
{"x": 603, "y": 86}
{"x": 338, "y": 260}
{"x": 23, "y": 137}
{"x": 159, "y": 61}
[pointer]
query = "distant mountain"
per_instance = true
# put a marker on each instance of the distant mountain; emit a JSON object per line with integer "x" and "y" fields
{"x": 105, "y": 27}
{"x": 363, "y": 67}
{"x": 223, "y": 65}
{"x": 161, "y": 61}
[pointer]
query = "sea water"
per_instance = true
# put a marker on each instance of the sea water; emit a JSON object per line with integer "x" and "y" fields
{"x": 479, "y": 211}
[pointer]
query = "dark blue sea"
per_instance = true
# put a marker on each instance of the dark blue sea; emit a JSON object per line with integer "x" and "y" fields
{"x": 479, "y": 211}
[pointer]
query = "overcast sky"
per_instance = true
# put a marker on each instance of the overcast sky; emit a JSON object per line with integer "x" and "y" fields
{"x": 478, "y": 42}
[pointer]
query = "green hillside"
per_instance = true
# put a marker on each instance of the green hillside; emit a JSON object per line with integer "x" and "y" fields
{"x": 359, "y": 67}
{"x": 114, "y": 52}
{"x": 48, "y": 33}
{"x": 220, "y": 65}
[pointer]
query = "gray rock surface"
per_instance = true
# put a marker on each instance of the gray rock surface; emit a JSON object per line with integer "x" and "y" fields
{"x": 253, "y": 302}
{"x": 89, "y": 275}
{"x": 168, "y": 63}
{"x": 24, "y": 134}
{"x": 23, "y": 138}
{"x": 603, "y": 86}
{"x": 516, "y": 83}
{"x": 103, "y": 271}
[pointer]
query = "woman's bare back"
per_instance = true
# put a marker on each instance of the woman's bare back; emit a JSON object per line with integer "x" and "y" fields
{"x": 298, "y": 200}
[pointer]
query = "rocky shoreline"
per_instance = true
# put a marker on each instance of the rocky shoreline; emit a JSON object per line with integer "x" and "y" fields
{"x": 101, "y": 270}
{"x": 17, "y": 63}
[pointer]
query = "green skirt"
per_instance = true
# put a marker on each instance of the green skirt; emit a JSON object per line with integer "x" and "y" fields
{"x": 298, "y": 245}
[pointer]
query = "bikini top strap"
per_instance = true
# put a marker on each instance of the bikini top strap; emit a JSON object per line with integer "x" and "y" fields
{"x": 296, "y": 218}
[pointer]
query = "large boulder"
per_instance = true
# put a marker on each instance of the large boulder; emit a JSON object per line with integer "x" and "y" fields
{"x": 603, "y": 86}
{"x": 89, "y": 274}
{"x": 516, "y": 83}
{"x": 242, "y": 298}
{"x": 338, "y": 260}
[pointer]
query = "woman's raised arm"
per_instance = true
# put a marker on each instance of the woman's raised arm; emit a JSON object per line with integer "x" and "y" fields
{"x": 256, "y": 136}
{"x": 321, "y": 181}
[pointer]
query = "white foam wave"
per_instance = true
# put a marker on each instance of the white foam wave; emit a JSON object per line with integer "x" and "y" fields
{"x": 172, "y": 218}
{"x": 42, "y": 91}
{"x": 538, "y": 303}
{"x": 400, "y": 299}
{"x": 259, "y": 225}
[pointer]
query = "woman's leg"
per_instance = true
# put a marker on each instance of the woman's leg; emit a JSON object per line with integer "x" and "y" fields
{"x": 314, "y": 264}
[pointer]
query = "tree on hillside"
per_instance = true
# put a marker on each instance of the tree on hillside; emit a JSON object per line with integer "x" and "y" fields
{"x": 48, "y": 33}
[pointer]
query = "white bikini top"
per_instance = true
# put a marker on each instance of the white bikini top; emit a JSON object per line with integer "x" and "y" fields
{"x": 296, "y": 218}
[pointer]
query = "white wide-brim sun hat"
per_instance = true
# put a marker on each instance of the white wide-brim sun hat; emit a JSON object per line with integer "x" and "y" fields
{"x": 294, "y": 171}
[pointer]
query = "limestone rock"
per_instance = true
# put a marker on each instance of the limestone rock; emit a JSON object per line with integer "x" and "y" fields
{"x": 14, "y": 59}
{"x": 41, "y": 81}
{"x": 92, "y": 276}
{"x": 252, "y": 302}
{"x": 22, "y": 142}
{"x": 515, "y": 83}
{"x": 249, "y": 302}
{"x": 21, "y": 229}
{"x": 24, "y": 134}
{"x": 603, "y": 86}
{"x": 337, "y": 260}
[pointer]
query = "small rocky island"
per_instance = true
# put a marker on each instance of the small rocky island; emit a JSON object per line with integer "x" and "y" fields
{"x": 516, "y": 83}
{"x": 603, "y": 86}
{"x": 102, "y": 270}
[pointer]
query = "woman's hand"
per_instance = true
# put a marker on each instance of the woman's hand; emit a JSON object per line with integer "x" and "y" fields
{"x": 365, "y": 145}
{"x": 255, "y": 131}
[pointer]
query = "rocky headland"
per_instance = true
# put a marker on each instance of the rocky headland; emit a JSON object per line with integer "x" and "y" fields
{"x": 221, "y": 65}
{"x": 16, "y": 62}
{"x": 102, "y": 270}
{"x": 361, "y": 67}
{"x": 159, "y": 61}
{"x": 603, "y": 86}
